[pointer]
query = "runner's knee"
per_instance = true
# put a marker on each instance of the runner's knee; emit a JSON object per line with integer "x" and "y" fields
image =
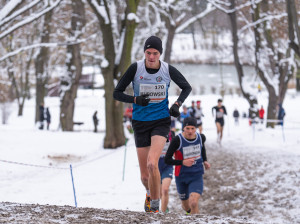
{"x": 165, "y": 191}
{"x": 193, "y": 204}
{"x": 151, "y": 167}
{"x": 144, "y": 179}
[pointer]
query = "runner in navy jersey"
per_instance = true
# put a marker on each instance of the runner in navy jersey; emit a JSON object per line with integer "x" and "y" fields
{"x": 190, "y": 156}
{"x": 150, "y": 80}
{"x": 219, "y": 110}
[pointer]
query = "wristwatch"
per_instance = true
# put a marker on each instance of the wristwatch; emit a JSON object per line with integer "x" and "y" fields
{"x": 179, "y": 103}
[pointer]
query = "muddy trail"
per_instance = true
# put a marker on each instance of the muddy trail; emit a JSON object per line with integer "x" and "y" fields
{"x": 239, "y": 188}
{"x": 259, "y": 186}
{"x": 47, "y": 214}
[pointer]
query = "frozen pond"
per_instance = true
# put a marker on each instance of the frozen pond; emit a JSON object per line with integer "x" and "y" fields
{"x": 203, "y": 78}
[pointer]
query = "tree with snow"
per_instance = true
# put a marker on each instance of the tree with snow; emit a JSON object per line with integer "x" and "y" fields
{"x": 294, "y": 34}
{"x": 177, "y": 16}
{"x": 117, "y": 35}
{"x": 274, "y": 61}
{"x": 70, "y": 81}
{"x": 19, "y": 17}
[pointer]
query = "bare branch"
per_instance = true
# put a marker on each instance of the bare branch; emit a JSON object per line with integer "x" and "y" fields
{"x": 208, "y": 9}
{"x": 8, "y": 8}
{"x": 18, "y": 12}
{"x": 29, "y": 19}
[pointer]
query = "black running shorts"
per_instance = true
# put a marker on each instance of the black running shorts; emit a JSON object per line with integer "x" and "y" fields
{"x": 199, "y": 123}
{"x": 144, "y": 130}
{"x": 221, "y": 121}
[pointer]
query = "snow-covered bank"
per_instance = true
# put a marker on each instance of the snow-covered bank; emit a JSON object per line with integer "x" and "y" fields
{"x": 207, "y": 52}
{"x": 98, "y": 172}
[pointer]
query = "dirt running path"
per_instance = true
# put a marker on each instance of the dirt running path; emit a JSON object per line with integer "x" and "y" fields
{"x": 13, "y": 213}
{"x": 263, "y": 187}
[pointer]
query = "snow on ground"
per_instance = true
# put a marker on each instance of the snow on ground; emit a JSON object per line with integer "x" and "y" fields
{"x": 35, "y": 164}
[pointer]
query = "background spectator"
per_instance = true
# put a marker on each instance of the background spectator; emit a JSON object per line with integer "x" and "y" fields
{"x": 95, "y": 120}
{"x": 236, "y": 116}
{"x": 48, "y": 118}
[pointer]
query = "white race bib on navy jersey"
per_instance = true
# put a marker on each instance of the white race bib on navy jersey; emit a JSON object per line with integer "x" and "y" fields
{"x": 192, "y": 151}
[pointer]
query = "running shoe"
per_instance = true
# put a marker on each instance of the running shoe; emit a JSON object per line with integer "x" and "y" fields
{"x": 154, "y": 210}
{"x": 147, "y": 204}
{"x": 167, "y": 210}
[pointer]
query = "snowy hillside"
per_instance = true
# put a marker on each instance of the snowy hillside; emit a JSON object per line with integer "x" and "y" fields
{"x": 253, "y": 175}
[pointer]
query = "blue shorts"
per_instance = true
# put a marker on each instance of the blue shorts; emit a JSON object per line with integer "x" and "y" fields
{"x": 189, "y": 184}
{"x": 173, "y": 124}
{"x": 166, "y": 171}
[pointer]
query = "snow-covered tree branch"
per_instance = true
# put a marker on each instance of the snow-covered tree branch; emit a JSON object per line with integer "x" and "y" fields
{"x": 29, "y": 19}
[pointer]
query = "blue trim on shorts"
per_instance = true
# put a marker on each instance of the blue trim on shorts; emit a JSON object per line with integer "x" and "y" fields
{"x": 188, "y": 184}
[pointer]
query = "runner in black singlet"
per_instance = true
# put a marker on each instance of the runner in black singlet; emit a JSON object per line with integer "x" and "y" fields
{"x": 219, "y": 111}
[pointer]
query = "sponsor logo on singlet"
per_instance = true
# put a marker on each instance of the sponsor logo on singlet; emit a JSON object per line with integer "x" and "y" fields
{"x": 219, "y": 114}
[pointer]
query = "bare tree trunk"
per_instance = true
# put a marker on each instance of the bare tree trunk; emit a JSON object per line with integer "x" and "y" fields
{"x": 41, "y": 61}
{"x": 111, "y": 106}
{"x": 252, "y": 100}
{"x": 298, "y": 76}
{"x": 282, "y": 70}
{"x": 25, "y": 85}
{"x": 125, "y": 61}
{"x": 70, "y": 83}
{"x": 293, "y": 26}
{"x": 114, "y": 109}
{"x": 11, "y": 73}
{"x": 193, "y": 36}
{"x": 170, "y": 38}
{"x": 68, "y": 97}
{"x": 273, "y": 98}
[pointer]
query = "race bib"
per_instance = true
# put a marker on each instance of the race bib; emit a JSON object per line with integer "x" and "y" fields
{"x": 219, "y": 114}
{"x": 156, "y": 92}
{"x": 192, "y": 151}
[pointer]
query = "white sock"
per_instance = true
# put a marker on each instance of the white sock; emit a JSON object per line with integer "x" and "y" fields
{"x": 154, "y": 203}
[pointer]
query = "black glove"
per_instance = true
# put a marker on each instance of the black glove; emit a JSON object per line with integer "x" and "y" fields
{"x": 142, "y": 100}
{"x": 174, "y": 110}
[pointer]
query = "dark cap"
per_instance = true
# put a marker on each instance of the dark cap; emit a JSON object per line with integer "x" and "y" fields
{"x": 189, "y": 121}
{"x": 220, "y": 100}
{"x": 153, "y": 42}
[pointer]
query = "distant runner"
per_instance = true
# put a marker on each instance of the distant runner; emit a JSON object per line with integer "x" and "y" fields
{"x": 198, "y": 114}
{"x": 219, "y": 111}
